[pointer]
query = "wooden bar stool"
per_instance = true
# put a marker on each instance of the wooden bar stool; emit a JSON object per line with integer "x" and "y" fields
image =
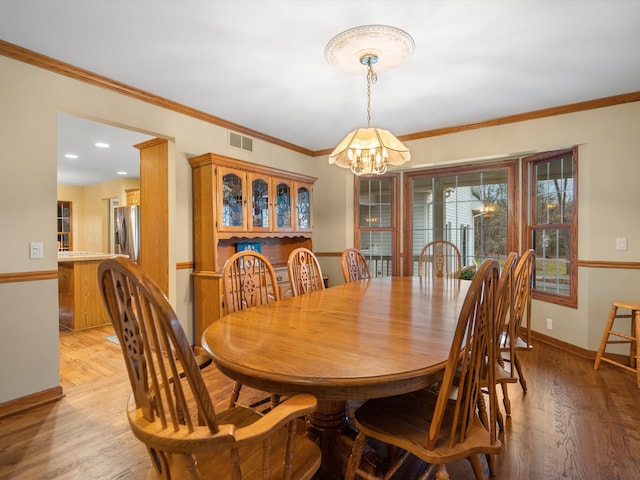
{"x": 631, "y": 339}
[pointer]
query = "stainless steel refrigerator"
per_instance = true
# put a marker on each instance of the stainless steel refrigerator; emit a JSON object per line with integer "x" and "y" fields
{"x": 126, "y": 221}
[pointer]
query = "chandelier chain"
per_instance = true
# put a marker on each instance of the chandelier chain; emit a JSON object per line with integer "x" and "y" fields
{"x": 371, "y": 78}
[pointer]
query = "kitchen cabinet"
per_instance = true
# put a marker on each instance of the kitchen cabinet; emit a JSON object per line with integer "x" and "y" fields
{"x": 235, "y": 202}
{"x": 302, "y": 193}
{"x": 79, "y": 298}
{"x": 133, "y": 196}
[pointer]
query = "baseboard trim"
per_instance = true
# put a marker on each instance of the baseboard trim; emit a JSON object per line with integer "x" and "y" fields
{"x": 19, "y": 405}
{"x": 580, "y": 352}
{"x": 567, "y": 347}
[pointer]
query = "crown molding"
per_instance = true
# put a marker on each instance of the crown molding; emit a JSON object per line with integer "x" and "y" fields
{"x": 42, "y": 61}
{"x": 51, "y": 64}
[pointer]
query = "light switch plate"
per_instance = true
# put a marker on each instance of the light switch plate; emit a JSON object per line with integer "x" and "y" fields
{"x": 36, "y": 250}
{"x": 621, "y": 243}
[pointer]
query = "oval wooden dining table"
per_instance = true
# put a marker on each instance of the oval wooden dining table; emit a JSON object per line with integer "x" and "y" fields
{"x": 364, "y": 339}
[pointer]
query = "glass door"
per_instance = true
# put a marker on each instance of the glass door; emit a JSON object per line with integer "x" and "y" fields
{"x": 232, "y": 200}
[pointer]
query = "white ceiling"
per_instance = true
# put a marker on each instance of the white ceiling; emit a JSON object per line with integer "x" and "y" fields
{"x": 78, "y": 136}
{"x": 260, "y": 63}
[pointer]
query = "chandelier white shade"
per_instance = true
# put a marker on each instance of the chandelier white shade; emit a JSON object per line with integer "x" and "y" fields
{"x": 369, "y": 151}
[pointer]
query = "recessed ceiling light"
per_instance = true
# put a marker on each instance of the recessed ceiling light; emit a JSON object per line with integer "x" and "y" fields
{"x": 102, "y": 145}
{"x": 71, "y": 155}
{"x": 122, "y": 173}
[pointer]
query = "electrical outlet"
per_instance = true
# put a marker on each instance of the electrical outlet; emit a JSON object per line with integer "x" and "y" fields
{"x": 36, "y": 250}
{"x": 549, "y": 324}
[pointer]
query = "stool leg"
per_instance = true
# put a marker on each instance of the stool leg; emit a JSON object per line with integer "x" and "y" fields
{"x": 635, "y": 329}
{"x": 605, "y": 336}
{"x": 634, "y": 334}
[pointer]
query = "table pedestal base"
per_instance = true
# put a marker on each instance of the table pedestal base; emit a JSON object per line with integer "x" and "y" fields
{"x": 326, "y": 425}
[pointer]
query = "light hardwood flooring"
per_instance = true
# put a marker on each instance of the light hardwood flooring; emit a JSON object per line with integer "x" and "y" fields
{"x": 574, "y": 423}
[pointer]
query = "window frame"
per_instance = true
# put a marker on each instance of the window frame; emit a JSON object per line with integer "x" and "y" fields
{"x": 530, "y": 226}
{"x": 395, "y": 217}
{"x": 513, "y": 224}
{"x": 62, "y": 232}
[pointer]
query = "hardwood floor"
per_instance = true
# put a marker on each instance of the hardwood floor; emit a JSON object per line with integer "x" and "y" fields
{"x": 574, "y": 422}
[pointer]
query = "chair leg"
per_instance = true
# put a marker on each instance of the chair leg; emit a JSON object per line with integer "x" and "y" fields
{"x": 605, "y": 336}
{"x": 635, "y": 328}
{"x": 356, "y": 457}
{"x": 523, "y": 381}
{"x": 491, "y": 462}
{"x": 441, "y": 473}
{"x": 235, "y": 394}
{"x": 505, "y": 399}
{"x": 474, "y": 460}
{"x": 426, "y": 473}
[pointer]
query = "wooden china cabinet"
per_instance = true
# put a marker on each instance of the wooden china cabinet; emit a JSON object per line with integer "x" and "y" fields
{"x": 237, "y": 202}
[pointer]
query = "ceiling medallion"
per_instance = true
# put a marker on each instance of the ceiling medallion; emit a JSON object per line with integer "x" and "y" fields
{"x": 390, "y": 45}
{"x": 369, "y": 151}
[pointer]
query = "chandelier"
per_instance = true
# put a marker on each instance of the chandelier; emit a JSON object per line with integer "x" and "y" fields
{"x": 369, "y": 151}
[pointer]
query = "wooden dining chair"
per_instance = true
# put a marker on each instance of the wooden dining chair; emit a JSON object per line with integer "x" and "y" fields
{"x": 249, "y": 280}
{"x": 170, "y": 409}
{"x": 442, "y": 427}
{"x": 305, "y": 274}
{"x": 504, "y": 308}
{"x": 515, "y": 337}
{"x": 354, "y": 265}
{"x": 439, "y": 259}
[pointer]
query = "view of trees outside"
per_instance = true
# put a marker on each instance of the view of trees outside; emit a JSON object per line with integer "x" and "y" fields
{"x": 490, "y": 225}
{"x": 469, "y": 210}
{"x": 553, "y": 217}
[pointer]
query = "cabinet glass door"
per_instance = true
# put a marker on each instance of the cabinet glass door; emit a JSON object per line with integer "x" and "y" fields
{"x": 233, "y": 201}
{"x": 283, "y": 206}
{"x": 260, "y": 218}
{"x": 303, "y": 208}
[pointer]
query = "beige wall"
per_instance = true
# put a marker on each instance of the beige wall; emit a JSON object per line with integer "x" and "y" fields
{"x": 608, "y": 170}
{"x": 608, "y": 200}
{"x": 31, "y": 97}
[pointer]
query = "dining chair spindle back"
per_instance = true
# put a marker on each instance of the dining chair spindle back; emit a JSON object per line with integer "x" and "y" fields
{"x": 305, "y": 274}
{"x": 515, "y": 337}
{"x": 439, "y": 427}
{"x": 504, "y": 308}
{"x": 354, "y": 265}
{"x": 249, "y": 280}
{"x": 170, "y": 409}
{"x": 439, "y": 259}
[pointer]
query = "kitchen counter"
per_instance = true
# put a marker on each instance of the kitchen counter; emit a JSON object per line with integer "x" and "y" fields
{"x": 79, "y": 298}
{"x": 85, "y": 256}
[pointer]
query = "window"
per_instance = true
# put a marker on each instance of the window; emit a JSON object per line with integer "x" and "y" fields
{"x": 64, "y": 227}
{"x": 552, "y": 224}
{"x": 471, "y": 206}
{"x": 481, "y": 210}
{"x": 376, "y": 225}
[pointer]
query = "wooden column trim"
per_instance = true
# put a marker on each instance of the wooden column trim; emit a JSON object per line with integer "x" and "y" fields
{"x": 154, "y": 210}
